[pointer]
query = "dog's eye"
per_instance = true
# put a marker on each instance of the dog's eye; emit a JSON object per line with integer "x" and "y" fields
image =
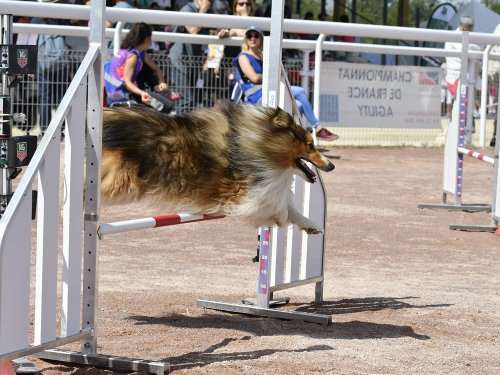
{"x": 311, "y": 146}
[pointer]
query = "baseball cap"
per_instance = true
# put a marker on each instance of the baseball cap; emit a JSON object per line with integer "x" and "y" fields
{"x": 253, "y": 28}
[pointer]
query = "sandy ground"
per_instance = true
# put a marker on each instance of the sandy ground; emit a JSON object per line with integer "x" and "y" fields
{"x": 407, "y": 295}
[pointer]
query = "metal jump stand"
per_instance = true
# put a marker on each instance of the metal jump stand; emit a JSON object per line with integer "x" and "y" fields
{"x": 302, "y": 256}
{"x": 461, "y": 110}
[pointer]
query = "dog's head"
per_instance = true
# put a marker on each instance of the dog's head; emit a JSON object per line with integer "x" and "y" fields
{"x": 291, "y": 146}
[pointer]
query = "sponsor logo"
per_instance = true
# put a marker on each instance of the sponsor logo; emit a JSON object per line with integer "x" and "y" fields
{"x": 22, "y": 150}
{"x": 22, "y": 57}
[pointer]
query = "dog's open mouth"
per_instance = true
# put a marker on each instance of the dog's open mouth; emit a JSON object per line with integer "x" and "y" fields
{"x": 308, "y": 173}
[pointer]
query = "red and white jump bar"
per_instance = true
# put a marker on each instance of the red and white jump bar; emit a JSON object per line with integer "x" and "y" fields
{"x": 152, "y": 222}
{"x": 477, "y": 155}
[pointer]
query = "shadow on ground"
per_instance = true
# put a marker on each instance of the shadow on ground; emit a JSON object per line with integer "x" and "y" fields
{"x": 340, "y": 330}
{"x": 211, "y": 354}
{"x": 358, "y": 305}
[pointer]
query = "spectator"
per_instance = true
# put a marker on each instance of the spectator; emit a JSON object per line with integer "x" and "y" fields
{"x": 221, "y": 7}
{"x": 184, "y": 56}
{"x": 163, "y": 4}
{"x": 53, "y": 74}
{"x": 494, "y": 73}
{"x": 126, "y": 4}
{"x": 322, "y": 17}
{"x": 248, "y": 70}
{"x": 242, "y": 8}
{"x": 122, "y": 71}
{"x": 346, "y": 38}
{"x": 179, "y": 4}
{"x": 346, "y": 56}
{"x": 453, "y": 64}
{"x": 309, "y": 16}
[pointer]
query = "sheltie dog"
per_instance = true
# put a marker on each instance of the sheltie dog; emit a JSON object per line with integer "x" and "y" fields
{"x": 233, "y": 160}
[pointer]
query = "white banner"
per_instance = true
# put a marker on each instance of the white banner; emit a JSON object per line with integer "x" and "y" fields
{"x": 374, "y": 96}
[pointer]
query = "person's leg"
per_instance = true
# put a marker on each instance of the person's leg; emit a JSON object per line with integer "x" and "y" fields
{"x": 300, "y": 96}
{"x": 180, "y": 81}
{"x": 146, "y": 79}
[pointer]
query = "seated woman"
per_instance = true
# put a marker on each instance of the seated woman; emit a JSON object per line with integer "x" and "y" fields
{"x": 120, "y": 74}
{"x": 248, "y": 71}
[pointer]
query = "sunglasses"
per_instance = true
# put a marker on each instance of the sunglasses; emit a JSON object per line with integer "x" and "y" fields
{"x": 253, "y": 35}
{"x": 244, "y": 4}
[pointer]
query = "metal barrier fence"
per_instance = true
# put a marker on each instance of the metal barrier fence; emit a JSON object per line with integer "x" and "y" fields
{"x": 206, "y": 85}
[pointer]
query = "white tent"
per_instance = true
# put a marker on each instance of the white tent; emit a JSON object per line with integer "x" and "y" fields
{"x": 485, "y": 20}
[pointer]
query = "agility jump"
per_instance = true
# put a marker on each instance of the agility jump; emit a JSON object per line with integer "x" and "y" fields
{"x": 455, "y": 151}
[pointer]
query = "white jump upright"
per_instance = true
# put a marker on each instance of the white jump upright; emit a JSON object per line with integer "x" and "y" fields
{"x": 61, "y": 313}
{"x": 455, "y": 150}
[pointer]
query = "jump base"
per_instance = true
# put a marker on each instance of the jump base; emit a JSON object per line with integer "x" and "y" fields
{"x": 473, "y": 228}
{"x": 458, "y": 207}
{"x": 324, "y": 320}
{"x": 106, "y": 361}
{"x": 272, "y": 303}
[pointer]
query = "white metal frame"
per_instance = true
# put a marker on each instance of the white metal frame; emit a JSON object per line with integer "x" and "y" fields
{"x": 15, "y": 226}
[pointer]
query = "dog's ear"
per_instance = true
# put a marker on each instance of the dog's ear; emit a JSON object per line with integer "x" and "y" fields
{"x": 281, "y": 118}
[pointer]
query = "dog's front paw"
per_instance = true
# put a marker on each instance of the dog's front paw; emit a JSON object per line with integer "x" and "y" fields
{"x": 313, "y": 230}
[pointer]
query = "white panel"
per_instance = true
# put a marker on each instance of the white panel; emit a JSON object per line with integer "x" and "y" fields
{"x": 285, "y": 99}
{"x": 305, "y": 237}
{"x": 47, "y": 244}
{"x": 278, "y": 255}
{"x": 294, "y": 245}
{"x": 73, "y": 217}
{"x": 15, "y": 263}
{"x": 450, "y": 152}
{"x": 315, "y": 243}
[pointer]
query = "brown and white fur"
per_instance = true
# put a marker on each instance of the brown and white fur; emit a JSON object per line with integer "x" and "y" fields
{"x": 234, "y": 160}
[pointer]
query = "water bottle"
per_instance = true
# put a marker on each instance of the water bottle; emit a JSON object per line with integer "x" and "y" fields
{"x": 155, "y": 103}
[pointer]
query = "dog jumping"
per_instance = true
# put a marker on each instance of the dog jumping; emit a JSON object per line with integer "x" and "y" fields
{"x": 236, "y": 160}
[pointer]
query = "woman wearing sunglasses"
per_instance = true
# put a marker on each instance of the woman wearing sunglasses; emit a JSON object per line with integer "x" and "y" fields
{"x": 248, "y": 66}
{"x": 242, "y": 8}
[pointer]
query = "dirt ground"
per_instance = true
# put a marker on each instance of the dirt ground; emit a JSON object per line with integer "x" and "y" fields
{"x": 407, "y": 295}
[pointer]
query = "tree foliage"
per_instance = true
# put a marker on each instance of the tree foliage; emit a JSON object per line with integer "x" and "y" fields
{"x": 371, "y": 11}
